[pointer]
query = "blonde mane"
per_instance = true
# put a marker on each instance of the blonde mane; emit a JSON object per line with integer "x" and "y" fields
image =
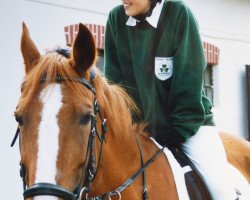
{"x": 50, "y": 65}
{"x": 115, "y": 103}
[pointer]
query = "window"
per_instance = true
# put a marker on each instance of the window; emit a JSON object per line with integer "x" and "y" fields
{"x": 208, "y": 83}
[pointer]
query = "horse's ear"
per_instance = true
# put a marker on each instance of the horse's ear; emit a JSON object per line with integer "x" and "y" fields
{"x": 84, "y": 50}
{"x": 29, "y": 50}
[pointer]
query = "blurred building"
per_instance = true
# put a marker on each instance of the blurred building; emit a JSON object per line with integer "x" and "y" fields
{"x": 225, "y": 31}
{"x": 224, "y": 24}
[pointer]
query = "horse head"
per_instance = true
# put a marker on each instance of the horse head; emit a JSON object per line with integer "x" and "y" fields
{"x": 56, "y": 115}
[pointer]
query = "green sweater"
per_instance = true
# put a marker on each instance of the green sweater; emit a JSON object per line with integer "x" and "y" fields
{"x": 162, "y": 69}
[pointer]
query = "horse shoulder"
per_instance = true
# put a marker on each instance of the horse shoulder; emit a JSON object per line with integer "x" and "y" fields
{"x": 159, "y": 174}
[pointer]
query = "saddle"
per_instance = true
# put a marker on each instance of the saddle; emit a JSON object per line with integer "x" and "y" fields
{"x": 196, "y": 187}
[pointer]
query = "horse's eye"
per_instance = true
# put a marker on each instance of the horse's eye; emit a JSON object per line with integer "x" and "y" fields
{"x": 85, "y": 119}
{"x": 19, "y": 120}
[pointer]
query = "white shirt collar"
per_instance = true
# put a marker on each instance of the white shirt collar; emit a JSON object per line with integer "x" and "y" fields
{"x": 152, "y": 20}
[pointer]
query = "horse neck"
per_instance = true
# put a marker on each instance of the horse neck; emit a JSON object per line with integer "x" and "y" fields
{"x": 121, "y": 159}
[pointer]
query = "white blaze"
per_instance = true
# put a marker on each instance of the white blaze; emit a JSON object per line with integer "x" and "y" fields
{"x": 48, "y": 138}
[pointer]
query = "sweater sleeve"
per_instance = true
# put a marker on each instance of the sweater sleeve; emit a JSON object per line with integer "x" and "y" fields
{"x": 186, "y": 108}
{"x": 112, "y": 67}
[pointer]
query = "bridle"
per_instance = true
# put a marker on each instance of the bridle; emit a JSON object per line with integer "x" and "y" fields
{"x": 89, "y": 170}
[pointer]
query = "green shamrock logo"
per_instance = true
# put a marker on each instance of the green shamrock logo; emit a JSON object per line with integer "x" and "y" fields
{"x": 164, "y": 68}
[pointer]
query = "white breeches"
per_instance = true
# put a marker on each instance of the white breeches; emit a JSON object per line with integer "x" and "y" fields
{"x": 206, "y": 151}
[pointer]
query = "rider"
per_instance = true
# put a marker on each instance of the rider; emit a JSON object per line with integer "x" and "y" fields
{"x": 153, "y": 49}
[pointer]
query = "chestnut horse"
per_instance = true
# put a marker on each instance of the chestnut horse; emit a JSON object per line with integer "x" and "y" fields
{"x": 77, "y": 139}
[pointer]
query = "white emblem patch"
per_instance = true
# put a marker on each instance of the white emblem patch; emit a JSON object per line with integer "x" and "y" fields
{"x": 163, "y": 67}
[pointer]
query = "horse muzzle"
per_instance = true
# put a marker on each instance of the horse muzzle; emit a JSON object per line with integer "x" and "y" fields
{"x": 48, "y": 189}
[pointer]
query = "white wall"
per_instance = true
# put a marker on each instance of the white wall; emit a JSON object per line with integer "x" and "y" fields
{"x": 225, "y": 23}
{"x": 45, "y": 20}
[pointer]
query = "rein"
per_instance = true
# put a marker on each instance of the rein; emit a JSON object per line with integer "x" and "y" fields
{"x": 89, "y": 170}
{"x": 130, "y": 180}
